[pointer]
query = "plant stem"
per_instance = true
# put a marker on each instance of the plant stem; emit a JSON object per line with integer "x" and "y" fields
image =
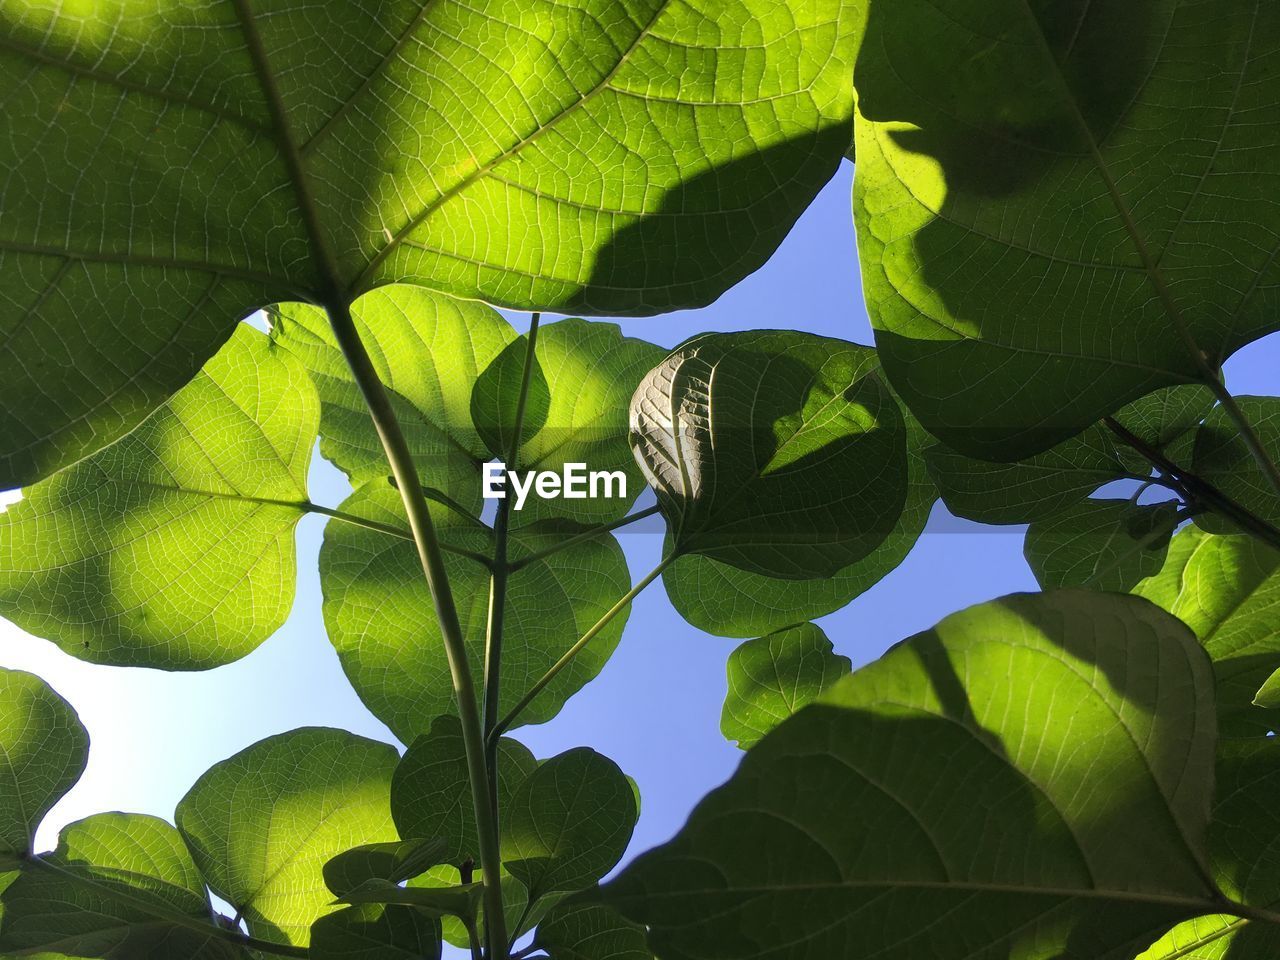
{"x": 1247, "y": 433}
{"x": 500, "y": 574}
{"x": 584, "y": 535}
{"x": 577, "y": 648}
{"x": 161, "y": 911}
{"x": 1197, "y": 489}
{"x": 432, "y": 558}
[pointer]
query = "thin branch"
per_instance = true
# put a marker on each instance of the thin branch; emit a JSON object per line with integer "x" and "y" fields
{"x": 577, "y": 648}
{"x": 1196, "y": 489}
{"x": 580, "y": 537}
{"x": 500, "y": 573}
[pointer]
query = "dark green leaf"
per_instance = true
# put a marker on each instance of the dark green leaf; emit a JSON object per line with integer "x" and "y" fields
{"x": 431, "y": 794}
{"x": 380, "y": 617}
{"x": 958, "y": 798}
{"x": 569, "y": 823}
{"x": 44, "y": 749}
{"x": 375, "y": 932}
{"x": 1222, "y": 459}
{"x": 394, "y": 862}
{"x": 1028, "y": 268}
{"x": 1246, "y": 865}
{"x": 1226, "y": 589}
{"x": 173, "y": 547}
{"x": 453, "y": 901}
{"x": 772, "y": 677}
{"x": 119, "y": 887}
{"x": 1050, "y": 483}
{"x": 776, "y": 452}
{"x": 1040, "y": 487}
{"x": 582, "y": 931}
{"x": 730, "y": 602}
{"x": 1103, "y": 544}
{"x": 515, "y": 899}
{"x": 1164, "y": 417}
{"x": 178, "y": 165}
{"x": 262, "y": 824}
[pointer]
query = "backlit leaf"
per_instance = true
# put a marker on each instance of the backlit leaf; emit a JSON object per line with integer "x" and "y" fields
{"x": 1029, "y": 779}
{"x": 379, "y": 614}
{"x": 428, "y": 350}
{"x": 120, "y": 886}
{"x": 44, "y": 749}
{"x": 772, "y": 677}
{"x": 431, "y": 793}
{"x": 569, "y": 823}
{"x": 262, "y": 824}
{"x": 1226, "y": 589}
{"x": 171, "y": 167}
{"x": 1061, "y": 207}
{"x": 174, "y": 547}
{"x": 1103, "y": 544}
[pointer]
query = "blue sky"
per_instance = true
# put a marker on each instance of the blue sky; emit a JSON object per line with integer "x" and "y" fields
{"x": 655, "y": 709}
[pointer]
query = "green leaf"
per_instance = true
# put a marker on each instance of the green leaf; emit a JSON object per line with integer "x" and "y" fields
{"x": 1029, "y": 779}
{"x": 743, "y": 436}
{"x": 1103, "y": 544}
{"x": 1051, "y": 483}
{"x": 581, "y": 931}
{"x": 428, "y": 350}
{"x": 431, "y": 794}
{"x": 1028, "y": 268}
{"x": 174, "y": 547}
{"x": 1247, "y": 868}
{"x": 44, "y": 748}
{"x": 379, "y": 614}
{"x": 569, "y": 823}
{"x": 1269, "y": 693}
{"x": 394, "y": 862}
{"x": 374, "y": 932}
{"x": 453, "y": 901}
{"x": 1040, "y": 487}
{"x": 262, "y": 824}
{"x": 772, "y": 677}
{"x": 119, "y": 887}
{"x": 495, "y": 398}
{"x": 1222, "y": 459}
{"x": 453, "y": 369}
{"x": 591, "y": 371}
{"x": 443, "y": 881}
{"x": 179, "y": 166}
{"x": 1226, "y": 590}
{"x": 730, "y": 602}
